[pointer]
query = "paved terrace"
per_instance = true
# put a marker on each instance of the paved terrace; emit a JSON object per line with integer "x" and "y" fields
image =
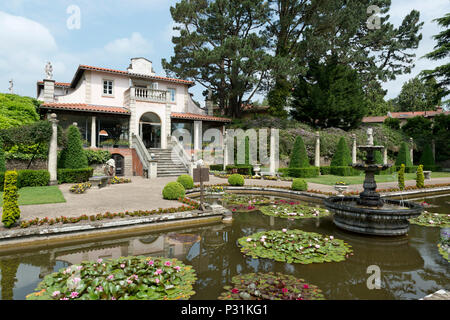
{"x": 144, "y": 194}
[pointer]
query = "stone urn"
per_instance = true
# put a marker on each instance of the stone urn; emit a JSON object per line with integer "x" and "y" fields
{"x": 341, "y": 188}
{"x": 257, "y": 169}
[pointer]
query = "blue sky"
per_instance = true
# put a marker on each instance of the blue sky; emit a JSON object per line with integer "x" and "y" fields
{"x": 113, "y": 31}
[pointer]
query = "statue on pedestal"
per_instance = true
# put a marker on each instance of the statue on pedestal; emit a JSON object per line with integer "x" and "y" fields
{"x": 110, "y": 168}
{"x": 49, "y": 70}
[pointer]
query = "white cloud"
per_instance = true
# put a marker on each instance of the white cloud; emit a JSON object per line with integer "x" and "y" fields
{"x": 135, "y": 45}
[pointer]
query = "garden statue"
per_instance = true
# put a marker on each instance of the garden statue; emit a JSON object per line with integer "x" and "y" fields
{"x": 49, "y": 71}
{"x": 370, "y": 136}
{"x": 11, "y": 86}
{"x": 110, "y": 167}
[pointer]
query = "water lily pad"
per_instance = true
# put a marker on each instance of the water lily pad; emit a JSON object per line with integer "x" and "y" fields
{"x": 126, "y": 278}
{"x": 265, "y": 286}
{"x": 294, "y": 246}
{"x": 294, "y": 211}
{"x": 236, "y": 199}
{"x": 430, "y": 219}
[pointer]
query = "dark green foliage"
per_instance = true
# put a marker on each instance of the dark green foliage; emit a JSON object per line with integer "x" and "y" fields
{"x": 330, "y": 95}
{"x": 278, "y": 98}
{"x": 16, "y": 110}
{"x": 186, "y": 181}
{"x": 401, "y": 177}
{"x": 441, "y": 135}
{"x": 420, "y": 178}
{"x": 344, "y": 171}
{"x": 420, "y": 129}
{"x": 74, "y": 175}
{"x": 409, "y": 169}
{"x": 2, "y": 157}
{"x": 11, "y": 210}
{"x": 241, "y": 169}
{"x": 236, "y": 180}
{"x": 310, "y": 172}
{"x": 418, "y": 95}
{"x": 427, "y": 159}
{"x": 377, "y": 154}
{"x": 97, "y": 156}
{"x": 29, "y": 134}
{"x": 216, "y": 167}
{"x": 392, "y": 123}
{"x": 33, "y": 178}
{"x": 299, "y": 185}
{"x": 73, "y": 156}
{"x": 342, "y": 156}
{"x": 325, "y": 170}
{"x": 403, "y": 156}
{"x": 173, "y": 191}
{"x": 299, "y": 157}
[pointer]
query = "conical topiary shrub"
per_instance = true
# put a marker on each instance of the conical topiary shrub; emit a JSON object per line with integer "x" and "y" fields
{"x": 299, "y": 156}
{"x": 403, "y": 156}
{"x": 401, "y": 177}
{"x": 420, "y": 178}
{"x": 427, "y": 159}
{"x": 11, "y": 210}
{"x": 73, "y": 155}
{"x": 342, "y": 157}
{"x": 2, "y": 157}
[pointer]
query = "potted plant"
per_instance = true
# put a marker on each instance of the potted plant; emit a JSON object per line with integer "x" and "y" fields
{"x": 122, "y": 143}
{"x": 107, "y": 143}
{"x": 340, "y": 186}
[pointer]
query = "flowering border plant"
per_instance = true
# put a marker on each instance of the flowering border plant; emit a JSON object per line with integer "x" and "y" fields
{"x": 265, "y": 286}
{"x": 126, "y": 278}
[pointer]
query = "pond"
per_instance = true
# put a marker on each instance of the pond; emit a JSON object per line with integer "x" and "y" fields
{"x": 411, "y": 266}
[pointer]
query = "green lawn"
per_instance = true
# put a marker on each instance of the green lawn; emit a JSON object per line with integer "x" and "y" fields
{"x": 38, "y": 195}
{"x": 331, "y": 180}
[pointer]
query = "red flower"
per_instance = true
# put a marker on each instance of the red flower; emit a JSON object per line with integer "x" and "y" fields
{"x": 284, "y": 290}
{"x": 234, "y": 290}
{"x": 305, "y": 286}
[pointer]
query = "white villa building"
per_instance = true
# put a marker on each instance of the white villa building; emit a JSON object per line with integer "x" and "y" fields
{"x": 131, "y": 113}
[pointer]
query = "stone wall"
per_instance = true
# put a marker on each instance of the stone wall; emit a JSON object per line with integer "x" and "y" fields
{"x": 37, "y": 164}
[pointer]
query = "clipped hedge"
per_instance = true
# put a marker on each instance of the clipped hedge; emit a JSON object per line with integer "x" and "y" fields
{"x": 310, "y": 172}
{"x": 344, "y": 171}
{"x": 186, "y": 180}
{"x": 173, "y": 191}
{"x": 236, "y": 180}
{"x": 216, "y": 167}
{"x": 325, "y": 170}
{"x": 74, "y": 175}
{"x": 11, "y": 210}
{"x": 299, "y": 185}
{"x": 244, "y": 169}
{"x": 33, "y": 178}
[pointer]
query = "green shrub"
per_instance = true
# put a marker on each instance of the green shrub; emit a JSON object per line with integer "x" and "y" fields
{"x": 186, "y": 181}
{"x": 403, "y": 156}
{"x": 344, "y": 171}
{"x": 241, "y": 169}
{"x": 236, "y": 180}
{"x": 427, "y": 159}
{"x": 98, "y": 156}
{"x": 325, "y": 170}
{"x": 401, "y": 177}
{"x": 2, "y": 157}
{"x": 299, "y": 185}
{"x": 420, "y": 178}
{"x": 216, "y": 167}
{"x": 173, "y": 191}
{"x": 33, "y": 178}
{"x": 342, "y": 156}
{"x": 74, "y": 175}
{"x": 11, "y": 210}
{"x": 73, "y": 155}
{"x": 388, "y": 171}
{"x": 310, "y": 172}
{"x": 409, "y": 169}
{"x": 392, "y": 123}
{"x": 299, "y": 157}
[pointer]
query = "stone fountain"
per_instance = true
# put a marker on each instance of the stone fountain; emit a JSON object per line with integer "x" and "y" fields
{"x": 369, "y": 213}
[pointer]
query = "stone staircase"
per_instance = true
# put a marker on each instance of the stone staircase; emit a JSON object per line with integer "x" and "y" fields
{"x": 166, "y": 166}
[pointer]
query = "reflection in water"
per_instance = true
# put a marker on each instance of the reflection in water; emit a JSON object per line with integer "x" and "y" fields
{"x": 410, "y": 265}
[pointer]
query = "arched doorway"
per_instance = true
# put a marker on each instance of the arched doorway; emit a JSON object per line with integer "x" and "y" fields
{"x": 120, "y": 164}
{"x": 150, "y": 130}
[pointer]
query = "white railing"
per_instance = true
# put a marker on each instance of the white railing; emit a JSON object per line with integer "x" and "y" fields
{"x": 179, "y": 152}
{"x": 141, "y": 151}
{"x": 152, "y": 95}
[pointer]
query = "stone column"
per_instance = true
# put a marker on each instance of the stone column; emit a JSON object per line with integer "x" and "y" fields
{"x": 225, "y": 149}
{"x": 274, "y": 151}
{"x": 317, "y": 158}
{"x": 53, "y": 151}
{"x": 411, "y": 150}
{"x": 197, "y": 137}
{"x": 49, "y": 90}
{"x": 94, "y": 132}
{"x": 385, "y": 157}
{"x": 166, "y": 128}
{"x": 354, "y": 148}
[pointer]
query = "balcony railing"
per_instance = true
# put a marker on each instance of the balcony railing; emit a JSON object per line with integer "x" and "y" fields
{"x": 144, "y": 94}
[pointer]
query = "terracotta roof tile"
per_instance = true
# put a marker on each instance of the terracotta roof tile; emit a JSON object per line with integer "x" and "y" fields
{"x": 58, "y": 84}
{"x": 193, "y": 116}
{"x": 85, "y": 107}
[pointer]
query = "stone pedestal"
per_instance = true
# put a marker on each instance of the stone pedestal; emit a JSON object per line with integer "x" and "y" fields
{"x": 53, "y": 151}
{"x": 411, "y": 150}
{"x": 354, "y": 148}
{"x": 153, "y": 169}
{"x": 317, "y": 153}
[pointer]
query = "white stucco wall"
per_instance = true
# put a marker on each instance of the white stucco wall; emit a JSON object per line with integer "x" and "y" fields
{"x": 121, "y": 84}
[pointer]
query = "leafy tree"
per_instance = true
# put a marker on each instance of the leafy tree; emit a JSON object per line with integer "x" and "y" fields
{"x": 427, "y": 159}
{"x": 441, "y": 51}
{"x": 221, "y": 46}
{"x": 17, "y": 110}
{"x": 441, "y": 135}
{"x": 392, "y": 123}
{"x": 403, "y": 156}
{"x": 73, "y": 155}
{"x": 330, "y": 95}
{"x": 299, "y": 156}
{"x": 420, "y": 129}
{"x": 342, "y": 156}
{"x": 418, "y": 95}
{"x": 376, "y": 105}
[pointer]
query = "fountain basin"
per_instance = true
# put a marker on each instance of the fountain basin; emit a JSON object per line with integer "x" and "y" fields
{"x": 389, "y": 220}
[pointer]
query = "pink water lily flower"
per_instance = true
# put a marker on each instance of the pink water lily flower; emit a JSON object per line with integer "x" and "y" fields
{"x": 151, "y": 262}
{"x": 56, "y": 293}
{"x": 284, "y": 290}
{"x": 177, "y": 268}
{"x": 122, "y": 265}
{"x": 234, "y": 290}
{"x": 110, "y": 277}
{"x": 157, "y": 280}
{"x": 74, "y": 294}
{"x": 305, "y": 286}
{"x": 284, "y": 230}
{"x": 167, "y": 263}
{"x": 99, "y": 260}
{"x": 158, "y": 271}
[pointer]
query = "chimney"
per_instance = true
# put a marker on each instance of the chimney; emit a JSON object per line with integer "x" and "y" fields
{"x": 49, "y": 90}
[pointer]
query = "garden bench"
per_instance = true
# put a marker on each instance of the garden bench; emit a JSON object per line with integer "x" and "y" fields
{"x": 99, "y": 181}
{"x": 427, "y": 175}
